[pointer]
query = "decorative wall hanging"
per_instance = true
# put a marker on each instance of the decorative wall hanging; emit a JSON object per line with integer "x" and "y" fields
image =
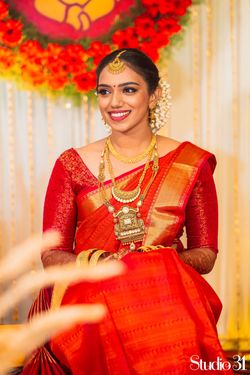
{"x": 55, "y": 46}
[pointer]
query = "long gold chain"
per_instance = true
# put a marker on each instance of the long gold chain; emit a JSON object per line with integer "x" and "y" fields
{"x": 129, "y": 227}
{"x": 131, "y": 159}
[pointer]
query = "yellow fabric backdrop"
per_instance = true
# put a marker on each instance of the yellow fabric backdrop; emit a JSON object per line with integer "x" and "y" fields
{"x": 210, "y": 79}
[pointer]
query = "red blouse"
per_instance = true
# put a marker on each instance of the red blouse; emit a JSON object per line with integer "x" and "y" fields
{"x": 70, "y": 176}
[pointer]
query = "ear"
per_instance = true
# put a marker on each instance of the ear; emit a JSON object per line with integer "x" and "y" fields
{"x": 154, "y": 97}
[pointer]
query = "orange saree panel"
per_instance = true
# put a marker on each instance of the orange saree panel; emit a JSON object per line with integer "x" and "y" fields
{"x": 161, "y": 313}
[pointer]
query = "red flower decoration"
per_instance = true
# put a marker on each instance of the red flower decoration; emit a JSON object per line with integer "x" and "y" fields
{"x": 71, "y": 63}
{"x": 3, "y": 10}
{"x": 144, "y": 26}
{"x": 160, "y": 40}
{"x": 11, "y": 33}
{"x": 76, "y": 50}
{"x": 126, "y": 38}
{"x": 85, "y": 82}
{"x": 33, "y": 74}
{"x": 57, "y": 82}
{"x": 54, "y": 49}
{"x": 152, "y": 7}
{"x": 53, "y": 63}
{"x": 32, "y": 54}
{"x": 97, "y": 50}
{"x": 170, "y": 25}
{"x": 57, "y": 66}
{"x": 7, "y": 58}
{"x": 180, "y": 7}
{"x": 150, "y": 50}
{"x": 31, "y": 50}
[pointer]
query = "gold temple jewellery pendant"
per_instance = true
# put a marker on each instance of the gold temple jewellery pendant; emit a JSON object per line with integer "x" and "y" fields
{"x": 129, "y": 226}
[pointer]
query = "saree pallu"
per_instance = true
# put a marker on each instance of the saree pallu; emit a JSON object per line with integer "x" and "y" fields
{"x": 161, "y": 313}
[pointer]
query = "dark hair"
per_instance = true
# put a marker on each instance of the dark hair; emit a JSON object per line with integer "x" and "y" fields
{"x": 136, "y": 60}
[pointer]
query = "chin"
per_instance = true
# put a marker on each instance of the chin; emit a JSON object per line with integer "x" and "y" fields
{"x": 121, "y": 127}
{"x": 125, "y": 127}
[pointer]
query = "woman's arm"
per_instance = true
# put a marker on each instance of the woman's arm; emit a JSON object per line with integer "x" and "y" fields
{"x": 60, "y": 213}
{"x": 202, "y": 224}
{"x": 202, "y": 259}
{"x": 55, "y": 258}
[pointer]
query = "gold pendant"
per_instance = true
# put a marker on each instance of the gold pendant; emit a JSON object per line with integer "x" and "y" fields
{"x": 129, "y": 227}
{"x": 125, "y": 196}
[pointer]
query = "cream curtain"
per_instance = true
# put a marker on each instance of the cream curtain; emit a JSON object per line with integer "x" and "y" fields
{"x": 210, "y": 78}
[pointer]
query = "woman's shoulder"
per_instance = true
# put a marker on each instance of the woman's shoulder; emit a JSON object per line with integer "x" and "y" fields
{"x": 73, "y": 163}
{"x": 91, "y": 149}
{"x": 166, "y": 145}
{"x": 189, "y": 152}
{"x": 75, "y": 154}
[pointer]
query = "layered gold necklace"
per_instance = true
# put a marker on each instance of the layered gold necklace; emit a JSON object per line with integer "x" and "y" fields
{"x": 128, "y": 225}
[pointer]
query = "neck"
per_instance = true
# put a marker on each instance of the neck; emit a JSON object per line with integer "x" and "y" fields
{"x": 133, "y": 143}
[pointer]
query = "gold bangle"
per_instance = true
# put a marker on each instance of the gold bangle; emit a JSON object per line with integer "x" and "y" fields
{"x": 95, "y": 257}
{"x": 146, "y": 249}
{"x": 82, "y": 258}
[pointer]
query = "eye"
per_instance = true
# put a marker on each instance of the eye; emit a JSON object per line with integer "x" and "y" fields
{"x": 102, "y": 92}
{"x": 129, "y": 90}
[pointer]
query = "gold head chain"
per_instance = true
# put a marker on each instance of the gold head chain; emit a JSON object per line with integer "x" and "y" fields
{"x": 116, "y": 66}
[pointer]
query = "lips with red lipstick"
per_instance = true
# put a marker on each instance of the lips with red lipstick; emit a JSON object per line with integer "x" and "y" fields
{"x": 118, "y": 115}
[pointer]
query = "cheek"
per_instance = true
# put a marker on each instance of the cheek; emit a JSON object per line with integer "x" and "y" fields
{"x": 102, "y": 104}
{"x": 141, "y": 102}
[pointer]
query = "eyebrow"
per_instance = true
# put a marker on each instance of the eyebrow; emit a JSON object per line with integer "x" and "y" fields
{"x": 121, "y": 84}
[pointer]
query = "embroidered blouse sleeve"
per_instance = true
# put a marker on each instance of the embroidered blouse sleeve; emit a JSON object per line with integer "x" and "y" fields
{"x": 202, "y": 212}
{"x": 60, "y": 211}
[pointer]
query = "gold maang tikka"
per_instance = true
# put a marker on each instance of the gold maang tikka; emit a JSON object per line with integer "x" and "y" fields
{"x": 116, "y": 66}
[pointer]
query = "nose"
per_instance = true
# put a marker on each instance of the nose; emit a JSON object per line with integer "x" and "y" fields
{"x": 116, "y": 99}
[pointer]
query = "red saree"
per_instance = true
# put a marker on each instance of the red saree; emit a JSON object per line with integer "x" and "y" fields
{"x": 161, "y": 313}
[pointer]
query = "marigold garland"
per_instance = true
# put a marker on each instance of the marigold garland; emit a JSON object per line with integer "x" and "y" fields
{"x": 69, "y": 69}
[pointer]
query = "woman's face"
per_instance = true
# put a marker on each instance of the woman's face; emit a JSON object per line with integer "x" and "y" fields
{"x": 124, "y": 100}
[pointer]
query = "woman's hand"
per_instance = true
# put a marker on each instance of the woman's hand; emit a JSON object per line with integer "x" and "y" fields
{"x": 201, "y": 259}
{"x": 117, "y": 256}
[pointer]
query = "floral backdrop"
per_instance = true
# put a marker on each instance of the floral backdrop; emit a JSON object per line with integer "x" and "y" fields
{"x": 55, "y": 47}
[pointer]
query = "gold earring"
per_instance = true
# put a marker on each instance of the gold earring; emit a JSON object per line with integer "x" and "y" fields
{"x": 159, "y": 115}
{"x": 107, "y": 127}
{"x": 152, "y": 118}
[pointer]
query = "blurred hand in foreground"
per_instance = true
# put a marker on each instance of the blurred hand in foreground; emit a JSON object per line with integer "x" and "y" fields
{"x": 29, "y": 336}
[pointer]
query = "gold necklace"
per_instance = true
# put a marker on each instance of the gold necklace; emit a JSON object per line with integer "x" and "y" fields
{"x": 128, "y": 225}
{"x": 132, "y": 159}
{"x": 124, "y": 196}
